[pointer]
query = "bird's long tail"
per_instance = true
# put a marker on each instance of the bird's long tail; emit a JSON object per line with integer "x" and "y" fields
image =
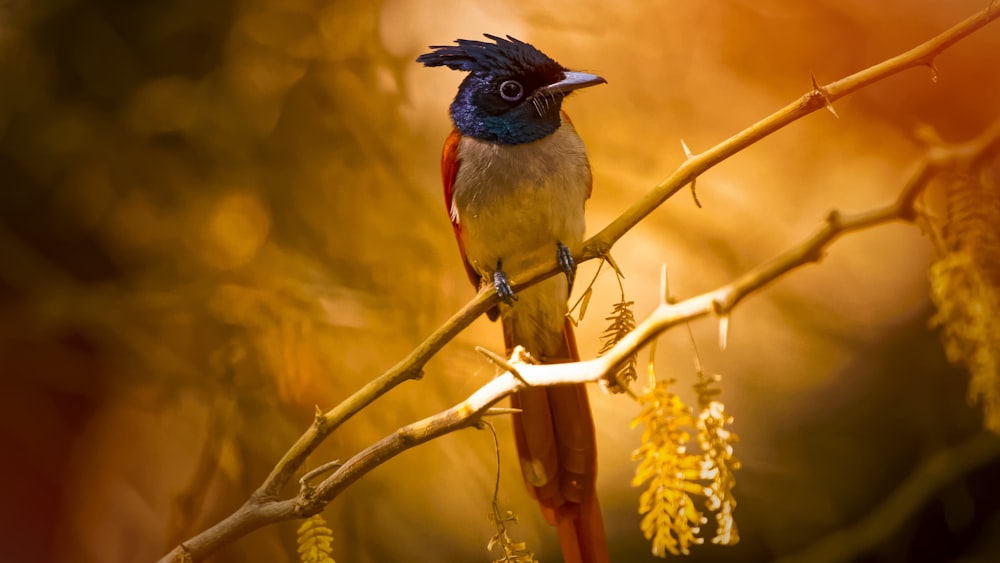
{"x": 557, "y": 448}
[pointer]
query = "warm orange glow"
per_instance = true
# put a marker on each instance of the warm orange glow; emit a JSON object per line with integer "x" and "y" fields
{"x": 217, "y": 216}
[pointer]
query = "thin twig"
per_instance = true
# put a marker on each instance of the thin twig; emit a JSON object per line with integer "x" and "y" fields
{"x": 325, "y": 468}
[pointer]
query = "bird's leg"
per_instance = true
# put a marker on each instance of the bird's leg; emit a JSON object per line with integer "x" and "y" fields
{"x": 566, "y": 263}
{"x": 502, "y": 284}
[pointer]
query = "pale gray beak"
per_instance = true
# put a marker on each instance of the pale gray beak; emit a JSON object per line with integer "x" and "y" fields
{"x": 572, "y": 81}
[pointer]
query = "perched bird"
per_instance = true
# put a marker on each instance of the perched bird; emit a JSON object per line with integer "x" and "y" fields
{"x": 516, "y": 177}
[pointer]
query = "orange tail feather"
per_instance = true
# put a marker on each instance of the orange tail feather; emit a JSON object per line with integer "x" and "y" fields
{"x": 557, "y": 448}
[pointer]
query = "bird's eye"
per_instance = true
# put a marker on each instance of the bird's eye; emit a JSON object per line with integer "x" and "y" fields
{"x": 511, "y": 90}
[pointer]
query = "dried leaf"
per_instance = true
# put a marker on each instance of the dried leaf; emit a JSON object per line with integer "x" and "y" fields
{"x": 622, "y": 323}
{"x": 511, "y": 551}
{"x": 585, "y": 301}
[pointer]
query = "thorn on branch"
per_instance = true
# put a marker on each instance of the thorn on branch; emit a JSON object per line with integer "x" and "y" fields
{"x": 934, "y": 70}
{"x": 820, "y": 92}
{"x": 502, "y": 362}
{"x": 723, "y": 332}
{"x": 829, "y": 106}
{"x": 665, "y": 296}
{"x": 687, "y": 149}
{"x": 688, "y": 154}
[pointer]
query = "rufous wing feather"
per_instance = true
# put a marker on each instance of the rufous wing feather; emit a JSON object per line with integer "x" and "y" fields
{"x": 449, "y": 169}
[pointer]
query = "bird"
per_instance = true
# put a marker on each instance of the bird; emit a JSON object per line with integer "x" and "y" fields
{"x": 516, "y": 179}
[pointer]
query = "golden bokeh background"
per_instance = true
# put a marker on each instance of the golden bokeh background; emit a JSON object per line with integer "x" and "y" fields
{"x": 215, "y": 216}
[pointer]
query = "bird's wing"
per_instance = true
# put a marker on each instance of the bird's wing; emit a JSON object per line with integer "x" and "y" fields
{"x": 565, "y": 117}
{"x": 449, "y": 169}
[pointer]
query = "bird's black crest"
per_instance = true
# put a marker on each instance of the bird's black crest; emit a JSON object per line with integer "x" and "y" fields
{"x": 504, "y": 55}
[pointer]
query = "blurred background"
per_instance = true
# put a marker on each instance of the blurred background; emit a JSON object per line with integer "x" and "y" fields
{"x": 216, "y": 216}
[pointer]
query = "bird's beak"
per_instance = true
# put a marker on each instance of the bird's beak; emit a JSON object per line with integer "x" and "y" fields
{"x": 572, "y": 81}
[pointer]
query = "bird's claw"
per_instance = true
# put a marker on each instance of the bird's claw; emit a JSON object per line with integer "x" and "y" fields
{"x": 502, "y": 285}
{"x": 566, "y": 263}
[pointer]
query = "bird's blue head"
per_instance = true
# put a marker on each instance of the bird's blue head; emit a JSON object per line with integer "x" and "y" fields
{"x": 513, "y": 93}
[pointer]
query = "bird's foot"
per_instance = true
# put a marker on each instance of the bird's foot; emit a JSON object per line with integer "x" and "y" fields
{"x": 566, "y": 263}
{"x": 502, "y": 285}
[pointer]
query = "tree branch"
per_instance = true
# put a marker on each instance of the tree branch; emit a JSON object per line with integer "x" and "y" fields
{"x": 263, "y": 508}
{"x": 259, "y": 511}
{"x": 819, "y": 97}
{"x": 720, "y": 301}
